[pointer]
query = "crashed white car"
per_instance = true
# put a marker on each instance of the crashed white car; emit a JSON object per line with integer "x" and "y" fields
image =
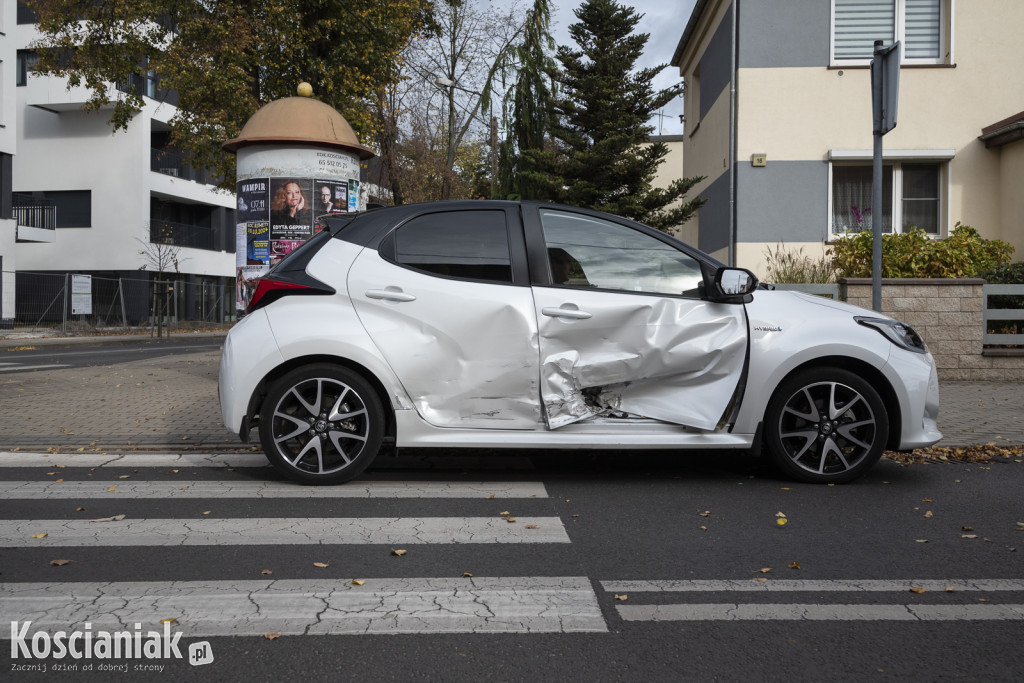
{"x": 490, "y": 324}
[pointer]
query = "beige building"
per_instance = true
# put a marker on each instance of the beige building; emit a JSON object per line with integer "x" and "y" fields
{"x": 778, "y": 119}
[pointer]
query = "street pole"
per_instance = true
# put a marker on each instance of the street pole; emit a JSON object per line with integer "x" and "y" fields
{"x": 885, "y": 90}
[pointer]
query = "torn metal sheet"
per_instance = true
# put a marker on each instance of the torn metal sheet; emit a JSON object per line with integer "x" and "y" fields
{"x": 466, "y": 353}
{"x": 676, "y": 360}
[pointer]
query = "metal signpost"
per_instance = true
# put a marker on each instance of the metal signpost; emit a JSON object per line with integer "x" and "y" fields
{"x": 885, "y": 92}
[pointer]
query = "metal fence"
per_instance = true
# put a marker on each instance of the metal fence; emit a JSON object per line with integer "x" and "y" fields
{"x": 1004, "y": 315}
{"x": 66, "y": 303}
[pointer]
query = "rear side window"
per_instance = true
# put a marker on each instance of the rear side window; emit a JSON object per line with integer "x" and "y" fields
{"x": 469, "y": 245}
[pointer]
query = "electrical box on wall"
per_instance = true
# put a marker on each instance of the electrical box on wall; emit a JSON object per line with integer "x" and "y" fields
{"x": 758, "y": 159}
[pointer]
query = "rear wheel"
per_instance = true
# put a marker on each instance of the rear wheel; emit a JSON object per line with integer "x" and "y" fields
{"x": 826, "y": 425}
{"x": 321, "y": 424}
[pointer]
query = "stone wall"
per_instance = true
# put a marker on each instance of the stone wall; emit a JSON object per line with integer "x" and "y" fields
{"x": 949, "y": 315}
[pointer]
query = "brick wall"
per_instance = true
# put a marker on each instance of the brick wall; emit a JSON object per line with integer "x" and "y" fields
{"x": 949, "y": 315}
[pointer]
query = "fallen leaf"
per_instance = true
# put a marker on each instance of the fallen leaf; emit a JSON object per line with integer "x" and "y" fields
{"x": 322, "y": 565}
{"x": 967, "y": 528}
{"x": 928, "y": 515}
{"x": 622, "y": 597}
{"x": 79, "y": 509}
{"x": 399, "y": 553}
{"x": 266, "y": 572}
{"x": 490, "y": 497}
{"x": 780, "y": 514}
{"x": 761, "y": 579}
{"x": 40, "y": 535}
{"x": 467, "y": 575}
{"x": 207, "y": 512}
{"x": 781, "y": 521}
{"x": 968, "y": 535}
{"x": 171, "y": 620}
{"x": 502, "y": 514}
{"x": 926, "y": 500}
{"x": 358, "y": 582}
{"x": 272, "y": 636}
{"x": 920, "y": 540}
{"x": 531, "y": 526}
{"x": 703, "y": 528}
{"x": 706, "y": 513}
{"x": 917, "y": 589}
{"x": 509, "y": 519}
{"x": 794, "y": 565}
{"x": 115, "y": 518}
{"x": 765, "y": 570}
{"x": 950, "y": 589}
{"x": 982, "y": 599}
{"x": 59, "y": 563}
{"x": 111, "y": 488}
{"x": 125, "y": 476}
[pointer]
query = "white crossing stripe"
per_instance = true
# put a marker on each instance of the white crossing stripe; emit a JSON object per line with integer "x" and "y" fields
{"x": 752, "y": 586}
{"x": 776, "y": 612}
{"x": 18, "y": 368}
{"x": 134, "y": 460}
{"x": 318, "y": 607}
{"x": 49, "y": 490}
{"x": 280, "y": 531}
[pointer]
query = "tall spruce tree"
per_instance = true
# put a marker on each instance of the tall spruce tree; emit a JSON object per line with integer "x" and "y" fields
{"x": 599, "y": 155}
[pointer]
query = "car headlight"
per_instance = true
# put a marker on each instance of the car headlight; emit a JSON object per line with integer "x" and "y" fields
{"x": 898, "y": 333}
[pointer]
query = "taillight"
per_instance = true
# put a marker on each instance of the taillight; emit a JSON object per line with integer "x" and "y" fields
{"x": 269, "y": 290}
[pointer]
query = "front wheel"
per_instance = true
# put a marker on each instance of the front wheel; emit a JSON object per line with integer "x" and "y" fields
{"x": 321, "y": 424}
{"x": 826, "y": 425}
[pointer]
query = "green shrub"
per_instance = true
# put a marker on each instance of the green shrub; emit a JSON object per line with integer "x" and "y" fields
{"x": 914, "y": 254}
{"x": 789, "y": 267}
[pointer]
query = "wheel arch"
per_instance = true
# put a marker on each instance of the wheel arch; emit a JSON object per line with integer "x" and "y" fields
{"x": 261, "y": 389}
{"x": 873, "y": 375}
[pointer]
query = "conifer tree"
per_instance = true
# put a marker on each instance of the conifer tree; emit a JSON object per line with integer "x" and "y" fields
{"x": 599, "y": 155}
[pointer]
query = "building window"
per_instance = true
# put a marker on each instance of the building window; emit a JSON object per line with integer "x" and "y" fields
{"x": 921, "y": 25}
{"x": 911, "y": 197}
{"x": 27, "y": 60}
{"x": 74, "y": 207}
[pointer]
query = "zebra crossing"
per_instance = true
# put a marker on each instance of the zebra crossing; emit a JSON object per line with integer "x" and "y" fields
{"x": 561, "y": 598}
{"x": 313, "y": 606}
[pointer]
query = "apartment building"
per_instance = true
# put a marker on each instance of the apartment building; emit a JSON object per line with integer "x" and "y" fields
{"x": 778, "y": 119}
{"x": 92, "y": 201}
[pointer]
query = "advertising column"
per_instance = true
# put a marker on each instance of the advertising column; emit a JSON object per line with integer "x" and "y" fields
{"x": 284, "y": 193}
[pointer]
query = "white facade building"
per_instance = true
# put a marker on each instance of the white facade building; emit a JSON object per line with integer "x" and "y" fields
{"x": 115, "y": 192}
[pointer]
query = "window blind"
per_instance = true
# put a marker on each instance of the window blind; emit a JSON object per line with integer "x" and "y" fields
{"x": 922, "y": 27}
{"x": 859, "y": 23}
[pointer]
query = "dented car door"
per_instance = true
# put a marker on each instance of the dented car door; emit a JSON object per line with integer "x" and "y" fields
{"x": 447, "y": 301}
{"x": 623, "y": 328}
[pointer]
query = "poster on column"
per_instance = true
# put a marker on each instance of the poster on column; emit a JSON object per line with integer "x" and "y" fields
{"x": 291, "y": 209}
{"x": 332, "y": 196}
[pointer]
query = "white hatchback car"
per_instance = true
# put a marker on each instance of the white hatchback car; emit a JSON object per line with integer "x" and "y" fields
{"x": 490, "y": 324}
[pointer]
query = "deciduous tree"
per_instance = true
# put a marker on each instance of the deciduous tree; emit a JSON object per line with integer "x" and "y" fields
{"x": 226, "y": 58}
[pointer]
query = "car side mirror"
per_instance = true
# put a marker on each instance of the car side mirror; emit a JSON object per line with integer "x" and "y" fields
{"x": 733, "y": 285}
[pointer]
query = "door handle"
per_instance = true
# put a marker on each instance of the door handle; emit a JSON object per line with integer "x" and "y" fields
{"x": 573, "y": 313}
{"x": 389, "y": 294}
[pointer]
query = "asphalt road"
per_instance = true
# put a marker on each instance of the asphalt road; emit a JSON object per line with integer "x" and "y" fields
{"x": 33, "y": 358}
{"x": 642, "y": 568}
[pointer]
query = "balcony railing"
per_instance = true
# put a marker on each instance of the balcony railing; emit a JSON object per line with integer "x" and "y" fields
{"x": 35, "y": 212}
{"x": 183, "y": 235}
{"x": 171, "y": 162}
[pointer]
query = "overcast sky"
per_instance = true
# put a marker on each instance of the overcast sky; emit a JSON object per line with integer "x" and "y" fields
{"x": 664, "y": 20}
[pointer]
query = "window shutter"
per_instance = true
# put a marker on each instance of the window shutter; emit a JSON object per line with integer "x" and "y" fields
{"x": 923, "y": 24}
{"x": 859, "y": 23}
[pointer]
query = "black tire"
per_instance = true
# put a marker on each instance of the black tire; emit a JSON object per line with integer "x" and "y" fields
{"x": 825, "y": 426}
{"x": 321, "y": 424}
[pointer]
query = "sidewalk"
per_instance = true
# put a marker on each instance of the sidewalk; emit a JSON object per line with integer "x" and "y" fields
{"x": 171, "y": 403}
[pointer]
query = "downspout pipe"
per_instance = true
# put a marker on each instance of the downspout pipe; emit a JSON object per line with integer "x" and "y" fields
{"x": 732, "y": 131}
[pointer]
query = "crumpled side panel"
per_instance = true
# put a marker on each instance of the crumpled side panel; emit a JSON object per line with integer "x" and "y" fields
{"x": 676, "y": 360}
{"x": 466, "y": 353}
